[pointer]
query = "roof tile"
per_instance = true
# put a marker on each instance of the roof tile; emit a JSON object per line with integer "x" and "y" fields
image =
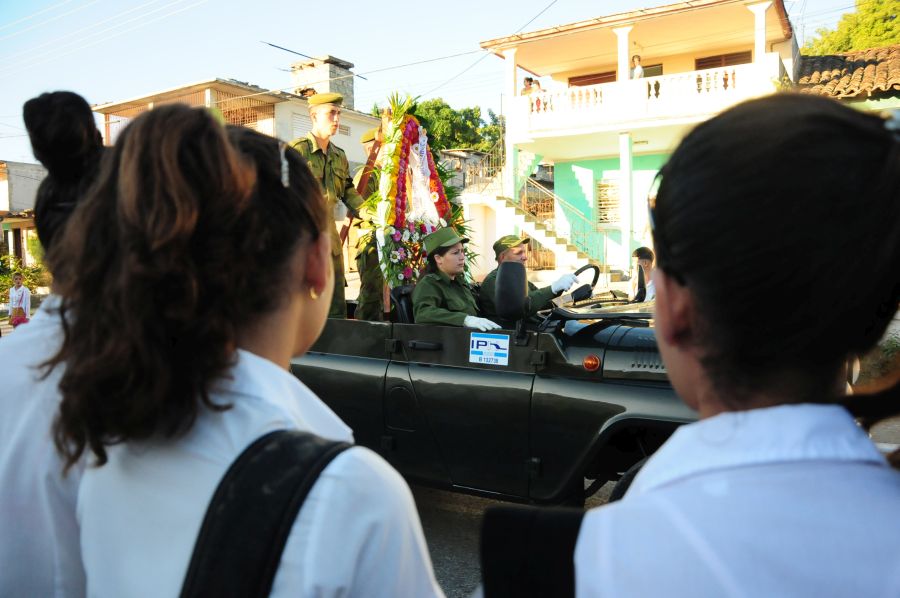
{"x": 850, "y": 74}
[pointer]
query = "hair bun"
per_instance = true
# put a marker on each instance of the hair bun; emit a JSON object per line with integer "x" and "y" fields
{"x": 63, "y": 135}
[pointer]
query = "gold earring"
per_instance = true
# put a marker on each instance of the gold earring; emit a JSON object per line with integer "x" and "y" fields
{"x": 313, "y": 294}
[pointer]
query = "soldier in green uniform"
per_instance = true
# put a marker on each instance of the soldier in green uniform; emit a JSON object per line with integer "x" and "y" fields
{"x": 329, "y": 166}
{"x": 515, "y": 249}
{"x": 442, "y": 295}
{"x": 371, "y": 280}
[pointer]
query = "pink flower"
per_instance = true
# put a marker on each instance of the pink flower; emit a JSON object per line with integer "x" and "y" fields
{"x": 407, "y": 272}
{"x": 396, "y": 236}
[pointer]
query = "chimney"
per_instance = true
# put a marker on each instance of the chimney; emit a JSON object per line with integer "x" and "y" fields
{"x": 325, "y": 74}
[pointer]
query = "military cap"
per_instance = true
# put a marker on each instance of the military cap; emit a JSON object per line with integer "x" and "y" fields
{"x": 325, "y": 98}
{"x": 508, "y": 242}
{"x": 442, "y": 237}
{"x": 368, "y": 135}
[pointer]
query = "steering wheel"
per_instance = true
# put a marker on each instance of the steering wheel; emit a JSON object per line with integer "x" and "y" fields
{"x": 586, "y": 290}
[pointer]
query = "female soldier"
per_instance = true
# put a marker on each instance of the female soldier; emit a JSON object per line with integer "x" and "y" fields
{"x": 194, "y": 272}
{"x": 441, "y": 296}
{"x": 775, "y": 491}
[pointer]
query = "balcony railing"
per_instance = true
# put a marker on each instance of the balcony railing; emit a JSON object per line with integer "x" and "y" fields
{"x": 689, "y": 94}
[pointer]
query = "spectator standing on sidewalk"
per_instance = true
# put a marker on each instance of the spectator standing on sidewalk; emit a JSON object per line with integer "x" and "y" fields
{"x": 775, "y": 491}
{"x": 39, "y": 545}
{"x": 19, "y": 302}
{"x": 179, "y": 362}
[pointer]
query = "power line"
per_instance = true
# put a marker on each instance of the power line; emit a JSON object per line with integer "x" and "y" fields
{"x": 486, "y": 54}
{"x": 56, "y": 40}
{"x": 50, "y": 20}
{"x": 33, "y": 15}
{"x": 15, "y": 68}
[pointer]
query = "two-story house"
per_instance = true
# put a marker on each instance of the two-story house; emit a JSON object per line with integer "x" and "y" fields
{"x": 607, "y": 133}
{"x": 278, "y": 113}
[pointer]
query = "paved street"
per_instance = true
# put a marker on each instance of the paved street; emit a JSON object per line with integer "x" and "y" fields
{"x": 452, "y": 523}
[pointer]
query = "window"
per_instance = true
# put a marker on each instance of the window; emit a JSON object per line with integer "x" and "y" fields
{"x": 300, "y": 124}
{"x": 607, "y": 211}
{"x": 592, "y": 79}
{"x": 720, "y": 60}
{"x": 653, "y": 70}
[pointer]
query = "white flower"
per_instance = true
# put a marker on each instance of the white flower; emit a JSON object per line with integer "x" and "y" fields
{"x": 400, "y": 276}
{"x": 415, "y": 148}
{"x": 390, "y": 230}
{"x": 434, "y": 196}
{"x": 406, "y": 236}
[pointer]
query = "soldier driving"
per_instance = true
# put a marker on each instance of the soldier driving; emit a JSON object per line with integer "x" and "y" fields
{"x": 329, "y": 166}
{"x": 513, "y": 248}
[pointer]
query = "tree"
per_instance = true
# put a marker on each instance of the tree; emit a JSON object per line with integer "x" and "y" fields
{"x": 874, "y": 24}
{"x": 449, "y": 128}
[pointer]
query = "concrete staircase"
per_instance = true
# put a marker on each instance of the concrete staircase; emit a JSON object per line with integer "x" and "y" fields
{"x": 567, "y": 255}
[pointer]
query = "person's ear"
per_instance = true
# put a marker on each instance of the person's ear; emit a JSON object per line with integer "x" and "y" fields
{"x": 318, "y": 263}
{"x": 675, "y": 320}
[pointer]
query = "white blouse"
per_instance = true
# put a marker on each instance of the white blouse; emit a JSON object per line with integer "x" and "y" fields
{"x": 20, "y": 297}
{"x": 357, "y": 534}
{"x": 792, "y": 500}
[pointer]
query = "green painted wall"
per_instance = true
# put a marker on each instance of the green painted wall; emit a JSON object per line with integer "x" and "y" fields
{"x": 574, "y": 180}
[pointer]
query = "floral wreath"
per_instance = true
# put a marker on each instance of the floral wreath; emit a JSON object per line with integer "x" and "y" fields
{"x": 411, "y": 198}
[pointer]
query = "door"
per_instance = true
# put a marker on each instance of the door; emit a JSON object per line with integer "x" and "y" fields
{"x": 473, "y": 391}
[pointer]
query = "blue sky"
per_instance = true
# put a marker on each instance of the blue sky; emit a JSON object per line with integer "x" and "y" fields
{"x": 111, "y": 50}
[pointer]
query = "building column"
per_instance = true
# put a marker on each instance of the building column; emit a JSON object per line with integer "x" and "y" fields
{"x": 624, "y": 63}
{"x": 512, "y": 122}
{"x": 759, "y": 29}
{"x": 626, "y": 205}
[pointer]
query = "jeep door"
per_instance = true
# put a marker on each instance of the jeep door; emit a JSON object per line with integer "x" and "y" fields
{"x": 478, "y": 413}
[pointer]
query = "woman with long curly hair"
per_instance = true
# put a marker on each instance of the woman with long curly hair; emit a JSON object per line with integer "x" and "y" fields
{"x": 197, "y": 269}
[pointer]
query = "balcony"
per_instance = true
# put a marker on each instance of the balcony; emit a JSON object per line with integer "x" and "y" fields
{"x": 679, "y": 98}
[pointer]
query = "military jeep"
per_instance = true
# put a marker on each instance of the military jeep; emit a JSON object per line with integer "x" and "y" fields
{"x": 525, "y": 414}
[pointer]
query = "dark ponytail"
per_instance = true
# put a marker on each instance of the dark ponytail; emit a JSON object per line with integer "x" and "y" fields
{"x": 182, "y": 241}
{"x": 66, "y": 141}
{"x": 782, "y": 216}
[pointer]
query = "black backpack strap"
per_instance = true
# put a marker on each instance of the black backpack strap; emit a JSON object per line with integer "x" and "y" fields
{"x": 529, "y": 551}
{"x": 251, "y": 514}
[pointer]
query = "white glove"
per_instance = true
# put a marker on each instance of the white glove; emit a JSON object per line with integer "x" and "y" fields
{"x": 480, "y": 323}
{"x": 563, "y": 283}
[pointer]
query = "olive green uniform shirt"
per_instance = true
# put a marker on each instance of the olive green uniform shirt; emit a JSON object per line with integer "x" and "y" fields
{"x": 332, "y": 170}
{"x": 540, "y": 298}
{"x": 439, "y": 300}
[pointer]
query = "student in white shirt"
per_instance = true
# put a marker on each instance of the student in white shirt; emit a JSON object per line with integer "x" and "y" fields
{"x": 40, "y": 553}
{"x": 217, "y": 273}
{"x": 775, "y": 491}
{"x": 19, "y": 302}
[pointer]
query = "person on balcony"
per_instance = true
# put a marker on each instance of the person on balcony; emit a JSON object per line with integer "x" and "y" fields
{"x": 511, "y": 248}
{"x": 442, "y": 296}
{"x": 637, "y": 71}
{"x": 527, "y": 86}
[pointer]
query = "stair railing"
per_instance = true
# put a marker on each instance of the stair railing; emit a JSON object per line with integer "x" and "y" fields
{"x": 575, "y": 227}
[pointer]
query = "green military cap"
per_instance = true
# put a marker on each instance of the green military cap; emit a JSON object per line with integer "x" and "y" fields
{"x": 508, "y": 242}
{"x": 442, "y": 237}
{"x": 325, "y": 98}
{"x": 368, "y": 135}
